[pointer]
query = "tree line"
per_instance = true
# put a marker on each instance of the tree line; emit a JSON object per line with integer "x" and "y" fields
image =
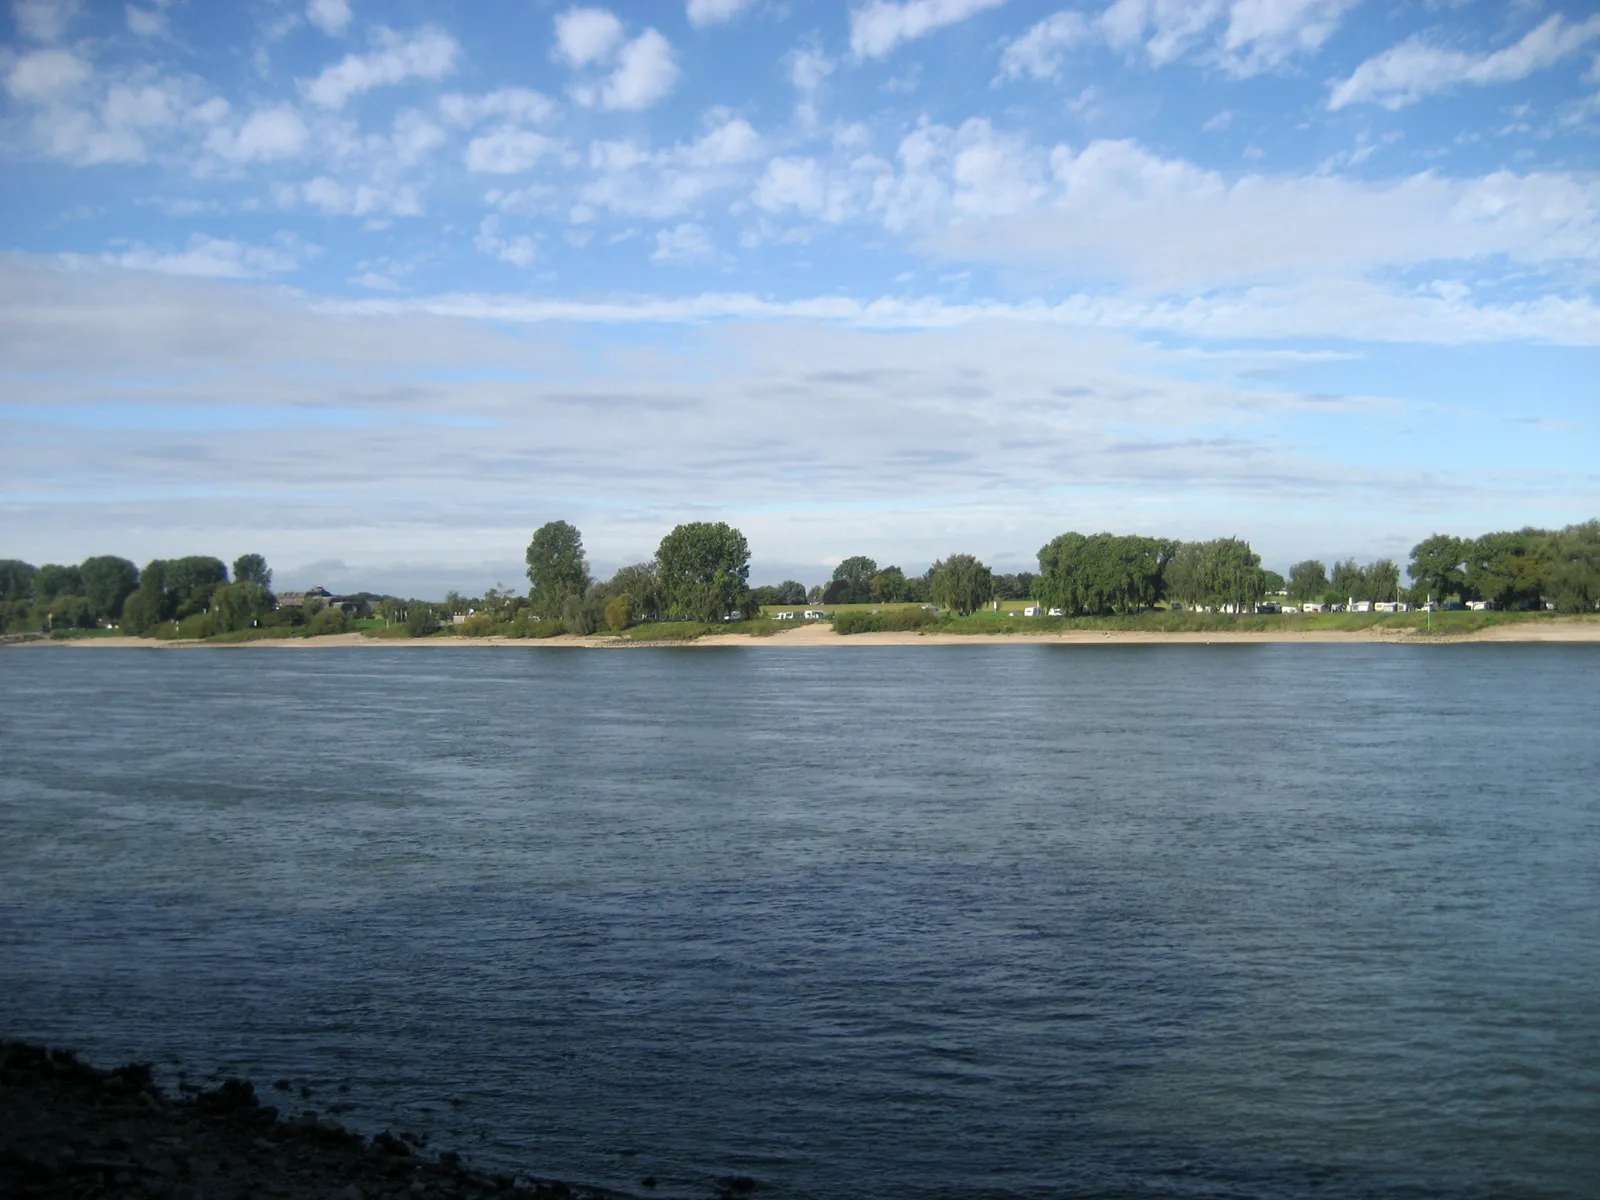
{"x": 701, "y": 570}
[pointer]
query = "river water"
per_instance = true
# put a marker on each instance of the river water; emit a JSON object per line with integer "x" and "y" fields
{"x": 996, "y": 920}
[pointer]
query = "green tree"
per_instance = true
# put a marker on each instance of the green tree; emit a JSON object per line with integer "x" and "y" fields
{"x": 856, "y": 574}
{"x": 1438, "y": 565}
{"x": 704, "y": 570}
{"x": 420, "y": 619}
{"x": 16, "y": 580}
{"x": 1509, "y": 568}
{"x": 1308, "y": 580}
{"x": 107, "y": 582}
{"x": 54, "y": 580}
{"x": 1574, "y": 555}
{"x": 1223, "y": 574}
{"x": 1102, "y": 573}
{"x": 1383, "y": 580}
{"x": 241, "y": 605}
{"x": 1350, "y": 580}
{"x": 640, "y": 584}
{"x": 791, "y": 592}
{"x": 150, "y": 604}
{"x": 557, "y": 568}
{"x": 962, "y": 584}
{"x": 191, "y": 581}
{"x": 1274, "y": 582}
{"x": 889, "y": 586}
{"x": 252, "y": 568}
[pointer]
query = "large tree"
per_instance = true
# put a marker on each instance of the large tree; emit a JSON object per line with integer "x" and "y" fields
{"x": 241, "y": 605}
{"x": 1224, "y": 573}
{"x": 1383, "y": 580}
{"x": 962, "y": 584}
{"x": 54, "y": 580}
{"x": 1102, "y": 573}
{"x": 1308, "y": 580}
{"x": 856, "y": 574}
{"x": 16, "y": 580}
{"x": 1350, "y": 580}
{"x": 107, "y": 582}
{"x": 1437, "y": 566}
{"x": 191, "y": 581}
{"x": 704, "y": 570}
{"x": 557, "y": 568}
{"x": 252, "y": 568}
{"x": 149, "y": 605}
{"x": 639, "y": 583}
{"x": 1574, "y": 555}
{"x": 1509, "y": 567}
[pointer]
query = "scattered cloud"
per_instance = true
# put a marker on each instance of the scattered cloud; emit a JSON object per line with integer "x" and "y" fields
{"x": 682, "y": 244}
{"x": 519, "y": 250}
{"x": 268, "y": 135}
{"x": 585, "y": 36}
{"x": 516, "y": 105}
{"x": 1040, "y": 52}
{"x": 640, "y": 71}
{"x": 145, "y": 22}
{"x": 1418, "y": 67}
{"x": 713, "y": 12}
{"x": 44, "y": 20}
{"x": 330, "y": 16}
{"x": 509, "y": 151}
{"x": 218, "y": 258}
{"x": 426, "y": 54}
{"x": 879, "y": 26}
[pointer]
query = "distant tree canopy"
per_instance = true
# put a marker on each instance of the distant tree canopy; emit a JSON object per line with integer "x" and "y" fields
{"x": 557, "y": 568}
{"x": 961, "y": 584}
{"x": 107, "y": 582}
{"x": 856, "y": 574}
{"x": 1521, "y": 568}
{"x": 639, "y": 583}
{"x": 55, "y": 580}
{"x": 704, "y": 570}
{"x": 1102, "y": 573}
{"x": 1223, "y": 574}
{"x": 16, "y": 580}
{"x": 1308, "y": 580}
{"x": 252, "y": 568}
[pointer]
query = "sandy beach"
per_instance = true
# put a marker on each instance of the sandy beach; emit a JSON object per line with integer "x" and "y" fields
{"x": 823, "y": 635}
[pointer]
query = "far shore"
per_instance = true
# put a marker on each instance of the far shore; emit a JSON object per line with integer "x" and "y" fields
{"x": 823, "y": 635}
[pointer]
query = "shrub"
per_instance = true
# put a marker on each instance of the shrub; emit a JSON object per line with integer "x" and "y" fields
{"x": 479, "y": 625}
{"x": 420, "y": 621}
{"x": 891, "y": 621}
{"x": 329, "y": 620}
{"x": 619, "y": 612}
{"x": 578, "y": 616}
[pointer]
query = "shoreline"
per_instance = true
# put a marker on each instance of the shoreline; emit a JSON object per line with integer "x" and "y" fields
{"x": 1554, "y": 631}
{"x": 70, "y": 1130}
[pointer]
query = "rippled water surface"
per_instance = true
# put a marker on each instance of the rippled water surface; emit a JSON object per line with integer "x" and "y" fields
{"x": 998, "y": 920}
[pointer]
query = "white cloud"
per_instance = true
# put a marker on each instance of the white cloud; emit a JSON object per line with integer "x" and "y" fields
{"x": 415, "y": 138}
{"x": 713, "y": 12}
{"x": 520, "y": 251}
{"x": 508, "y": 151}
{"x": 145, "y": 22}
{"x": 219, "y": 258}
{"x": 878, "y": 26}
{"x": 268, "y": 135}
{"x": 513, "y": 104}
{"x": 1040, "y": 51}
{"x": 1416, "y": 68}
{"x": 426, "y": 54}
{"x": 46, "y": 75}
{"x": 1263, "y": 35}
{"x": 645, "y": 73}
{"x": 330, "y": 16}
{"x": 141, "y": 107}
{"x": 640, "y": 71}
{"x": 809, "y": 67}
{"x": 631, "y": 178}
{"x": 683, "y": 244}
{"x": 797, "y": 183}
{"x": 44, "y": 20}
{"x": 586, "y": 35}
{"x": 360, "y": 200}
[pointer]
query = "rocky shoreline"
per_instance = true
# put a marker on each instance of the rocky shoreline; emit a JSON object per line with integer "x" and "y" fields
{"x": 73, "y": 1131}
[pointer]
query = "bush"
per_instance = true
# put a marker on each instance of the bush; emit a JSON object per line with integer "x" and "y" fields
{"x": 578, "y": 616}
{"x": 891, "y": 621}
{"x": 619, "y": 612}
{"x": 479, "y": 625}
{"x": 329, "y": 620}
{"x": 420, "y": 621}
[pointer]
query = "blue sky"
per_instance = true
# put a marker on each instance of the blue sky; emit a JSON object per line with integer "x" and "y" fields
{"x": 377, "y": 289}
